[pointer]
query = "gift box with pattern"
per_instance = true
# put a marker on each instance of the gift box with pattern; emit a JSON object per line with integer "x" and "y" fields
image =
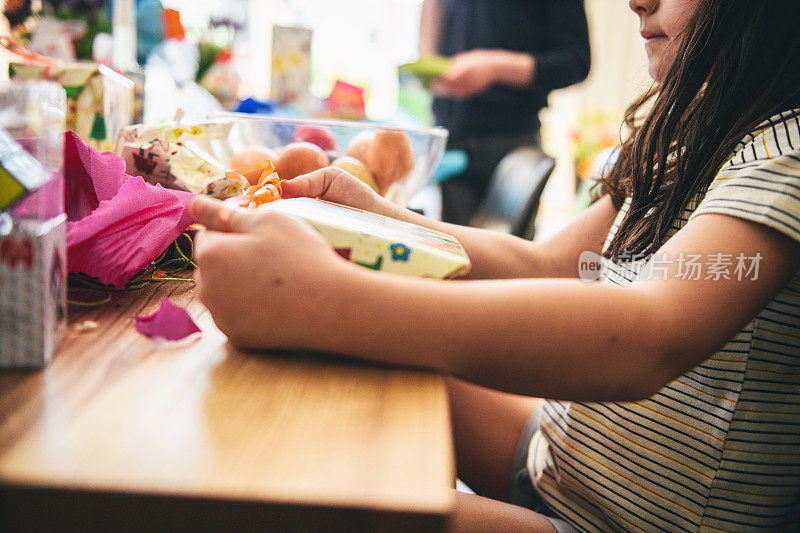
{"x": 33, "y": 264}
{"x": 33, "y": 272}
{"x": 378, "y": 242}
{"x": 99, "y": 100}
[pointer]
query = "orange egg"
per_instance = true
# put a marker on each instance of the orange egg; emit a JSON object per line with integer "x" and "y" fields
{"x": 300, "y": 158}
{"x": 252, "y": 155}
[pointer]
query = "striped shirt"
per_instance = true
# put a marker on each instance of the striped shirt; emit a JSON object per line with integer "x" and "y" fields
{"x": 717, "y": 449}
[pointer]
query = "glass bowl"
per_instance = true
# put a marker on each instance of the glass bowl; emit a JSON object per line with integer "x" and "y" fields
{"x": 427, "y": 145}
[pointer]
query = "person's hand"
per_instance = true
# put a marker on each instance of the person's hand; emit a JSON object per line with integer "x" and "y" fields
{"x": 265, "y": 276}
{"x": 335, "y": 185}
{"x": 470, "y": 73}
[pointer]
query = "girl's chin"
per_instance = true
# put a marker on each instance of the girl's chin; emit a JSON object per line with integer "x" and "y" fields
{"x": 655, "y": 73}
{"x": 657, "y": 69}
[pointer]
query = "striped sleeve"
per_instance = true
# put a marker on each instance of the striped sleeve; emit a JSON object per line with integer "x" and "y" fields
{"x": 764, "y": 190}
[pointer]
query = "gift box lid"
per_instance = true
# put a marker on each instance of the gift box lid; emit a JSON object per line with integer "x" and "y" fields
{"x": 72, "y": 76}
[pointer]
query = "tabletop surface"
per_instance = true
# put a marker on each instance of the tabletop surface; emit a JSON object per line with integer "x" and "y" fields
{"x": 115, "y": 411}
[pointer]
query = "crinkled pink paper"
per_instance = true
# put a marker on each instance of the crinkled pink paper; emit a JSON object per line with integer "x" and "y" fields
{"x": 170, "y": 322}
{"x": 89, "y": 176}
{"x": 117, "y": 224}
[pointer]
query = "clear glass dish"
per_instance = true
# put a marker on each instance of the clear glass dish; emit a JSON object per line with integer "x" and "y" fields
{"x": 428, "y": 145}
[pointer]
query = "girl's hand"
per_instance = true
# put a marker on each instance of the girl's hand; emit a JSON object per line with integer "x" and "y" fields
{"x": 265, "y": 277}
{"x": 335, "y": 185}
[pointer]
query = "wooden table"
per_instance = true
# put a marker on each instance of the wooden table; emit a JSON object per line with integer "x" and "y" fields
{"x": 119, "y": 433}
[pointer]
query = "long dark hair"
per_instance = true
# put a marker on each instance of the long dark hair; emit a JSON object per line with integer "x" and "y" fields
{"x": 737, "y": 64}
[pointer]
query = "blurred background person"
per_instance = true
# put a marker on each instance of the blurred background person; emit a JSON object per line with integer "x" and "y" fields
{"x": 507, "y": 55}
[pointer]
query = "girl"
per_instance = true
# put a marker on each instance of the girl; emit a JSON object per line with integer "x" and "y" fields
{"x": 677, "y": 372}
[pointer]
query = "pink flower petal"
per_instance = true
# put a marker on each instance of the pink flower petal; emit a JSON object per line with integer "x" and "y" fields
{"x": 170, "y": 322}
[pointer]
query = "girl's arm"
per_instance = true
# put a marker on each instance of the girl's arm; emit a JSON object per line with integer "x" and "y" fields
{"x": 549, "y": 338}
{"x": 497, "y": 255}
{"x": 493, "y": 255}
{"x": 566, "y": 339}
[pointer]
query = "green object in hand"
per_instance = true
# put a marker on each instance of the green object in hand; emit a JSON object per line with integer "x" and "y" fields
{"x": 427, "y": 68}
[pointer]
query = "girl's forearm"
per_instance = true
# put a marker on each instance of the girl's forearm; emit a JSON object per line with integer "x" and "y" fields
{"x": 493, "y": 255}
{"x": 547, "y": 338}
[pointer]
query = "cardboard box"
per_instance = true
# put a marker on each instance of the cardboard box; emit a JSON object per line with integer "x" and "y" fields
{"x": 99, "y": 100}
{"x": 378, "y": 242}
{"x": 33, "y": 280}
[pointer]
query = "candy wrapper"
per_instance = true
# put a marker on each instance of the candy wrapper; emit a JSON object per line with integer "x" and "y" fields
{"x": 179, "y": 156}
{"x": 378, "y": 242}
{"x": 99, "y": 101}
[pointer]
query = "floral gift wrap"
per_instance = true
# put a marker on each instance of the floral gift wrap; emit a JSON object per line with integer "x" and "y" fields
{"x": 378, "y": 242}
{"x": 99, "y": 100}
{"x": 179, "y": 156}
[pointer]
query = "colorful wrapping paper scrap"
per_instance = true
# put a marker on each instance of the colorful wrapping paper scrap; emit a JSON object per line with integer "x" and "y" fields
{"x": 171, "y": 322}
{"x": 117, "y": 224}
{"x": 179, "y": 156}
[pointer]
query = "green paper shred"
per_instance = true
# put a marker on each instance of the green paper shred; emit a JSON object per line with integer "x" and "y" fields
{"x": 175, "y": 259}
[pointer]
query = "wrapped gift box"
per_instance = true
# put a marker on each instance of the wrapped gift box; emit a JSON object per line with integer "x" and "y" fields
{"x": 32, "y": 294}
{"x": 378, "y": 242}
{"x": 99, "y": 100}
{"x": 33, "y": 265}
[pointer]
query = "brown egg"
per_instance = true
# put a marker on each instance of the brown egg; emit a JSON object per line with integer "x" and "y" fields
{"x": 359, "y": 145}
{"x": 357, "y": 169}
{"x": 389, "y": 157}
{"x": 300, "y": 158}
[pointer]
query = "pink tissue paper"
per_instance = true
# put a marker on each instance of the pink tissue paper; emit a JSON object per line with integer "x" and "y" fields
{"x": 117, "y": 224}
{"x": 170, "y": 322}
